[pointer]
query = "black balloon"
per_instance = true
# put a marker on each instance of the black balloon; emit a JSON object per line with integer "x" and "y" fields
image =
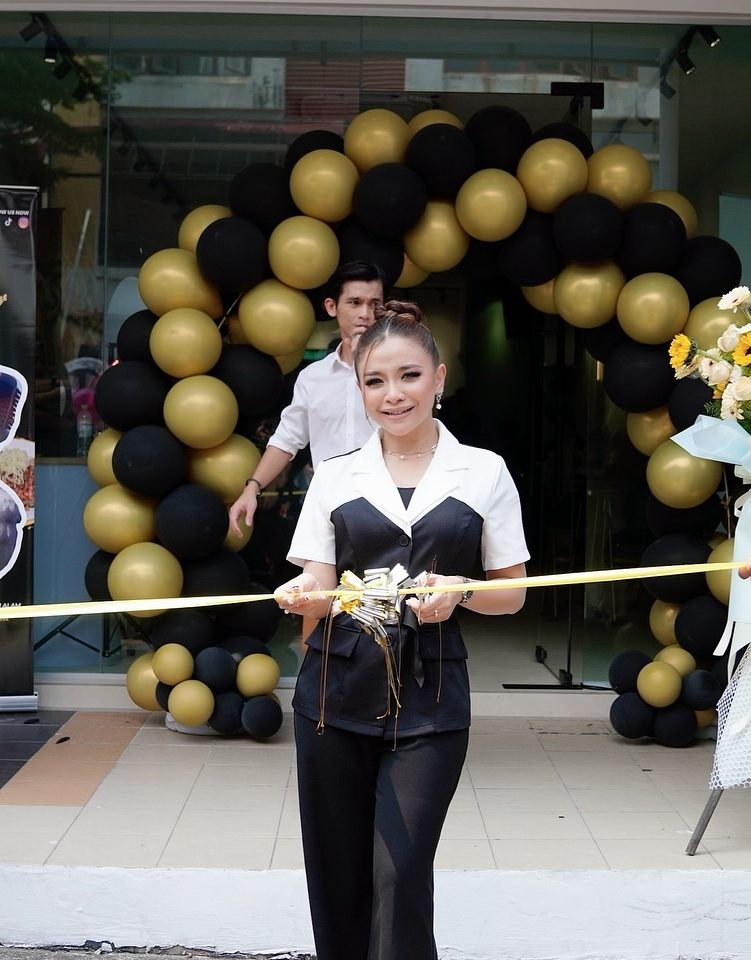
{"x": 700, "y": 624}
{"x": 253, "y": 377}
{"x": 95, "y": 575}
{"x": 231, "y": 254}
{"x": 133, "y": 336}
{"x": 701, "y": 690}
{"x": 191, "y": 628}
{"x": 161, "y": 694}
{"x": 260, "y": 193}
{"x": 687, "y": 401}
{"x": 638, "y": 377}
{"x": 654, "y": 239}
{"x": 443, "y": 156}
{"x": 709, "y": 267}
{"x": 243, "y": 646}
{"x": 500, "y": 136}
{"x": 566, "y": 131}
{"x": 150, "y": 461}
{"x": 223, "y": 573}
{"x": 675, "y": 726}
{"x": 702, "y": 520}
{"x": 357, "y": 243}
{"x": 261, "y": 717}
{"x": 310, "y": 141}
{"x": 587, "y": 228}
{"x": 227, "y": 716}
{"x": 481, "y": 260}
{"x": 389, "y": 199}
{"x": 216, "y": 668}
{"x": 601, "y": 341}
{"x": 529, "y": 256}
{"x": 624, "y": 669}
{"x": 192, "y": 521}
{"x": 676, "y": 548}
{"x": 631, "y": 717}
{"x": 258, "y": 619}
{"x": 131, "y": 393}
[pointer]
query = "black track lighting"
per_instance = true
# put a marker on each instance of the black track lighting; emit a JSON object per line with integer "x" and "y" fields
{"x": 50, "y": 49}
{"x": 685, "y": 62}
{"x": 32, "y": 28}
{"x": 710, "y": 35}
{"x": 666, "y": 90}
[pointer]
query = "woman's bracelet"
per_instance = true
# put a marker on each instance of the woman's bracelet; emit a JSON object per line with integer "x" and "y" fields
{"x": 466, "y": 594}
{"x": 258, "y": 483}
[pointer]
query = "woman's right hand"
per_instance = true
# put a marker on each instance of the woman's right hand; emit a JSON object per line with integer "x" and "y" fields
{"x": 244, "y": 506}
{"x": 299, "y": 595}
{"x": 744, "y": 572}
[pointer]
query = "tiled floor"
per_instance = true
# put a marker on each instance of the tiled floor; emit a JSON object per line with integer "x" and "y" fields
{"x": 123, "y": 790}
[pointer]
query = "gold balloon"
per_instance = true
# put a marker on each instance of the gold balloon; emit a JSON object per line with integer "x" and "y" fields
{"x": 303, "y": 252}
{"x": 585, "y": 294}
{"x": 706, "y": 322}
{"x": 191, "y": 703}
{"x": 114, "y": 518}
{"x": 185, "y": 342}
{"x": 375, "y": 136}
{"x": 427, "y": 117}
{"x": 659, "y": 684}
{"x": 322, "y": 184}
{"x": 620, "y": 173}
{"x": 290, "y": 361}
{"x": 715, "y": 540}
{"x": 411, "y": 275}
{"x": 437, "y": 241}
{"x": 705, "y": 718}
{"x": 679, "y": 479}
{"x": 235, "y": 543}
{"x": 276, "y": 319}
{"x": 662, "y": 621}
{"x": 680, "y": 205}
{"x": 719, "y": 581}
{"x": 234, "y": 330}
{"x": 648, "y": 430}
{"x": 551, "y": 171}
{"x": 258, "y": 673}
{"x": 652, "y": 308}
{"x": 141, "y": 681}
{"x": 196, "y": 222}
{"x": 225, "y": 468}
{"x": 99, "y": 457}
{"x": 172, "y": 663}
{"x": 541, "y": 297}
{"x": 677, "y": 657}
{"x": 491, "y": 205}
{"x": 170, "y": 279}
{"x": 145, "y": 571}
{"x": 201, "y": 411}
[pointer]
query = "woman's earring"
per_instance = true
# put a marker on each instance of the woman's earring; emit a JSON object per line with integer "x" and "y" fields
{"x": 438, "y": 398}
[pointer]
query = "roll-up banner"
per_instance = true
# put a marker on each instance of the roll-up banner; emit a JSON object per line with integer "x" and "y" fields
{"x": 18, "y": 207}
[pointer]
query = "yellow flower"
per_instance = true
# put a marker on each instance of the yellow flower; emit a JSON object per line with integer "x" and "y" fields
{"x": 742, "y": 353}
{"x": 680, "y": 350}
{"x": 719, "y": 390}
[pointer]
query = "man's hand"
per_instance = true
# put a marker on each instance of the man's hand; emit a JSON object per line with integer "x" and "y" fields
{"x": 244, "y": 506}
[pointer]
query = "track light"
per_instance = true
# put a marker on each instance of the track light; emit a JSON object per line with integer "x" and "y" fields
{"x": 710, "y": 35}
{"x": 685, "y": 62}
{"x": 666, "y": 90}
{"x": 50, "y": 50}
{"x": 32, "y": 28}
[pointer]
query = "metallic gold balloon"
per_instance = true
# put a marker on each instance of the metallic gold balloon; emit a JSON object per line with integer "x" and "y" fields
{"x": 225, "y": 468}
{"x": 715, "y": 540}
{"x": 411, "y": 275}
{"x": 719, "y": 580}
{"x": 680, "y": 480}
{"x": 196, "y": 222}
{"x": 662, "y": 621}
{"x": 290, "y": 361}
{"x": 170, "y": 279}
{"x": 541, "y": 297}
{"x": 659, "y": 684}
{"x": 235, "y": 330}
{"x": 437, "y": 241}
{"x": 258, "y": 673}
{"x": 141, "y": 681}
{"x": 620, "y": 173}
{"x": 491, "y": 205}
{"x": 172, "y": 663}
{"x": 201, "y": 411}
{"x": 191, "y": 703}
{"x": 145, "y": 571}
{"x": 585, "y": 294}
{"x": 677, "y": 657}
{"x": 648, "y": 430}
{"x": 705, "y": 718}
{"x": 303, "y": 252}
{"x": 276, "y": 319}
{"x": 375, "y": 136}
{"x": 322, "y": 184}
{"x": 652, "y": 308}
{"x": 706, "y": 322}
{"x": 185, "y": 342}
{"x": 99, "y": 457}
{"x": 235, "y": 543}
{"x": 427, "y": 117}
{"x": 114, "y": 518}
{"x": 678, "y": 203}
{"x": 551, "y": 171}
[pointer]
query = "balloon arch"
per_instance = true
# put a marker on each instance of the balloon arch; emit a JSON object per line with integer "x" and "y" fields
{"x": 231, "y": 308}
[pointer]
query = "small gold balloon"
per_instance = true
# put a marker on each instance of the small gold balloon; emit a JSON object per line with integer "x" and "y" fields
{"x": 185, "y": 342}
{"x": 114, "y": 518}
{"x": 276, "y": 319}
{"x": 141, "y": 681}
{"x": 662, "y": 621}
{"x": 677, "y": 657}
{"x": 145, "y": 571}
{"x": 719, "y": 581}
{"x": 426, "y": 117}
{"x": 648, "y": 430}
{"x": 659, "y": 684}
{"x": 170, "y": 279}
{"x": 411, "y": 275}
{"x": 491, "y": 205}
{"x": 652, "y": 308}
{"x": 679, "y": 479}
{"x": 191, "y": 703}
{"x": 290, "y": 361}
{"x": 235, "y": 543}
{"x": 303, "y": 252}
{"x": 201, "y": 411}
{"x": 99, "y": 457}
{"x": 705, "y": 718}
{"x": 322, "y": 184}
{"x": 706, "y": 322}
{"x": 542, "y": 296}
{"x": 172, "y": 663}
{"x": 225, "y": 468}
{"x": 620, "y": 173}
{"x": 585, "y": 294}
{"x": 551, "y": 171}
{"x": 196, "y": 222}
{"x": 375, "y": 136}
{"x": 437, "y": 241}
{"x": 258, "y": 673}
{"x": 680, "y": 205}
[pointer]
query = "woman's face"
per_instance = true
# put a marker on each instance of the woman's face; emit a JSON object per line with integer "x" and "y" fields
{"x": 399, "y": 383}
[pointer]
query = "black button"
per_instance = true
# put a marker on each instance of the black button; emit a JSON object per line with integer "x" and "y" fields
{"x": 404, "y": 540}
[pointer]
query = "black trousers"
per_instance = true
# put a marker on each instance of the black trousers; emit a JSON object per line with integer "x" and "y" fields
{"x": 371, "y": 820}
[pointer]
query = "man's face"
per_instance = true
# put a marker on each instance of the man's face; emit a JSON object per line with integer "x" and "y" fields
{"x": 355, "y": 308}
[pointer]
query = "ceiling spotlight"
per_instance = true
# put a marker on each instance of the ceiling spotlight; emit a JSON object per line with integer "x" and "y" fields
{"x": 32, "y": 28}
{"x": 685, "y": 62}
{"x": 50, "y": 50}
{"x": 666, "y": 90}
{"x": 710, "y": 35}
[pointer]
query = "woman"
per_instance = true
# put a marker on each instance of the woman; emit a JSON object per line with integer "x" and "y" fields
{"x": 379, "y": 761}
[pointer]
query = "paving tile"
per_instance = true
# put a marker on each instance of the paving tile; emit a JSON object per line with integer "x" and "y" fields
{"x": 528, "y": 854}
{"x": 640, "y": 854}
{"x": 464, "y": 855}
{"x": 287, "y": 855}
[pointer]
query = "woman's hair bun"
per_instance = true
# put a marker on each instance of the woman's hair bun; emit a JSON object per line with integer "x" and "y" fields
{"x": 403, "y": 310}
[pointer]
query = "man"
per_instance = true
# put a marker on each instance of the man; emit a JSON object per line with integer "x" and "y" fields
{"x": 326, "y": 409}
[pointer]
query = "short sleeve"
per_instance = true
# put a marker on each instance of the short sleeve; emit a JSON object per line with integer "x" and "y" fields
{"x": 292, "y": 432}
{"x": 503, "y": 541}
{"x": 313, "y": 538}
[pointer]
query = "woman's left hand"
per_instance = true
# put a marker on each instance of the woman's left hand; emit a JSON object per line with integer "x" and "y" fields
{"x": 435, "y": 607}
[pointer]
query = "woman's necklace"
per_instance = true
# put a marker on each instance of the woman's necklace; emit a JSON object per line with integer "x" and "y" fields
{"x": 412, "y": 456}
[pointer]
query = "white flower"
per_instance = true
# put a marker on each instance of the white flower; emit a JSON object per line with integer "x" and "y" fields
{"x": 730, "y": 408}
{"x": 737, "y": 297}
{"x": 742, "y": 388}
{"x": 728, "y": 341}
{"x": 688, "y": 368}
{"x": 714, "y": 371}
{"x": 736, "y": 373}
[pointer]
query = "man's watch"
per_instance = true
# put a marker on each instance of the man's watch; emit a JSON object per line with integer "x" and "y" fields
{"x": 466, "y": 594}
